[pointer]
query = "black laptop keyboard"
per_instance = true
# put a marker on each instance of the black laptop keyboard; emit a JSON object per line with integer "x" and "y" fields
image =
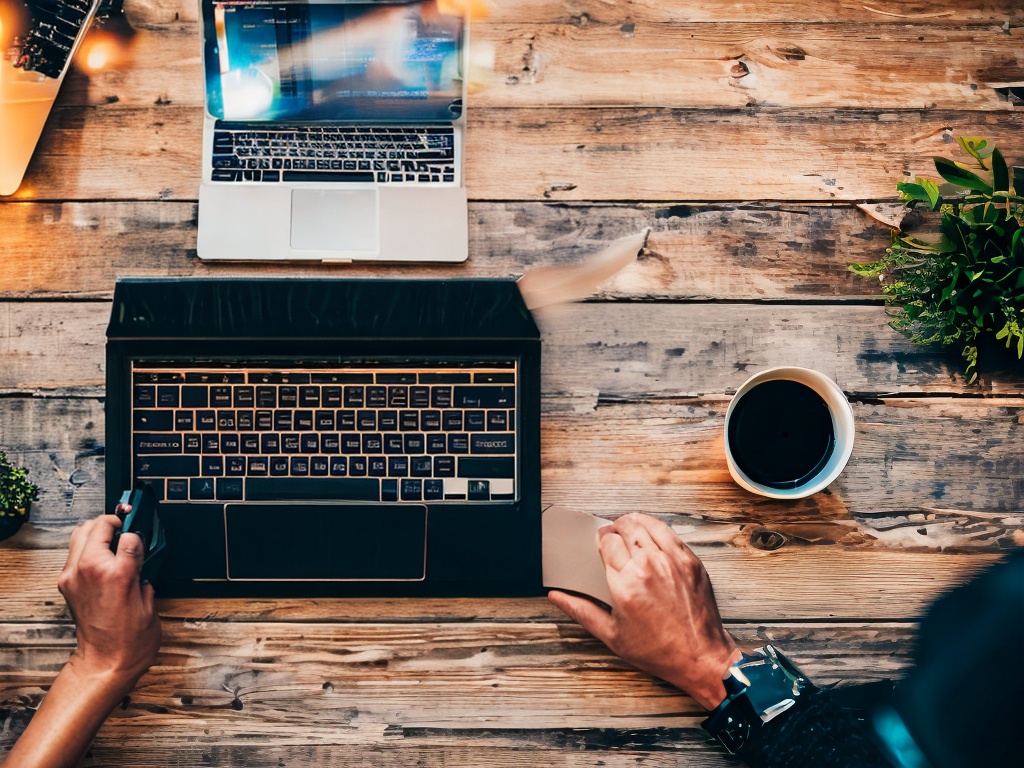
{"x": 360, "y": 434}
{"x": 48, "y": 43}
{"x": 334, "y": 153}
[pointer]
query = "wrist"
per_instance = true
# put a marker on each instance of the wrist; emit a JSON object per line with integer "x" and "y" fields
{"x": 107, "y": 681}
{"x": 703, "y": 681}
{"x": 710, "y": 691}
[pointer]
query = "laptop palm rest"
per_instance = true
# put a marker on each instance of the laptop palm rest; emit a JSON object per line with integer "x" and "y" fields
{"x": 335, "y": 220}
{"x": 326, "y": 542}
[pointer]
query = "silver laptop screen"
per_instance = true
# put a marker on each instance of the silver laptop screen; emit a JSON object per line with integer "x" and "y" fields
{"x": 304, "y": 61}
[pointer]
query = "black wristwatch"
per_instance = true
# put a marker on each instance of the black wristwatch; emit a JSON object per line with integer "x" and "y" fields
{"x": 758, "y": 688}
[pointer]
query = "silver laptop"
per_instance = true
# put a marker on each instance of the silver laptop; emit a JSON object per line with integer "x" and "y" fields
{"x": 38, "y": 39}
{"x": 334, "y": 131}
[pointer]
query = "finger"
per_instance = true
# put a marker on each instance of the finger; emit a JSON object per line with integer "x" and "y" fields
{"x": 77, "y": 543}
{"x": 130, "y": 555}
{"x": 635, "y": 536}
{"x": 612, "y": 549}
{"x": 102, "y": 532}
{"x": 588, "y": 614}
{"x": 131, "y": 546}
{"x": 660, "y": 533}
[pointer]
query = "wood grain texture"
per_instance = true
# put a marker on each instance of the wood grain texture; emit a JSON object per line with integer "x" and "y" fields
{"x": 600, "y": 154}
{"x": 427, "y": 694}
{"x": 743, "y": 134}
{"x": 872, "y": 66}
{"x": 655, "y": 64}
{"x": 926, "y": 474}
{"x": 480, "y": 676}
{"x": 694, "y": 251}
{"x": 806, "y": 583}
{"x": 618, "y": 349}
{"x": 155, "y": 13}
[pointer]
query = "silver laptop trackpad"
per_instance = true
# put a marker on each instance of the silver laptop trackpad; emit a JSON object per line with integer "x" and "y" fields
{"x": 306, "y": 541}
{"x": 335, "y": 220}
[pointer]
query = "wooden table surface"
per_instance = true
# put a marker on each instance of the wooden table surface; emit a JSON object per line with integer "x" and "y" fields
{"x": 743, "y": 133}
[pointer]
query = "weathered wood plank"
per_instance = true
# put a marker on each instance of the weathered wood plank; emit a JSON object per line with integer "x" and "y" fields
{"x": 144, "y": 13}
{"x": 875, "y": 66}
{"x": 564, "y": 154}
{"x": 806, "y": 583}
{"x": 404, "y": 748}
{"x": 694, "y": 251}
{"x": 926, "y": 473}
{"x": 618, "y": 350}
{"x": 358, "y": 684}
{"x": 788, "y": 65}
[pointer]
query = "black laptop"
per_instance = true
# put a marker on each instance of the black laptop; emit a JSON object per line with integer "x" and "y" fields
{"x": 330, "y": 437}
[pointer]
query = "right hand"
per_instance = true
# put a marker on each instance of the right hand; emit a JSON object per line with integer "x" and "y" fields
{"x": 664, "y": 618}
{"x": 115, "y": 617}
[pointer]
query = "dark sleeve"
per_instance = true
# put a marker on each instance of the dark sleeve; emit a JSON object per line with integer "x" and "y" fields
{"x": 828, "y": 729}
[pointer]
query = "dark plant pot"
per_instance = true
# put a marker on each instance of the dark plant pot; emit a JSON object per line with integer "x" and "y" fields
{"x": 11, "y": 522}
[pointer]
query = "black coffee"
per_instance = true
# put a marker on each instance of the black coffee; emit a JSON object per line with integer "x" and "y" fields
{"x": 781, "y": 433}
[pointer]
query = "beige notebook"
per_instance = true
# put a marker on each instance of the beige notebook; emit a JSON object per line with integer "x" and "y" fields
{"x": 571, "y": 560}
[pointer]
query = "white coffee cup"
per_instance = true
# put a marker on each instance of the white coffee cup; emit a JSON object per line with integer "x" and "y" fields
{"x": 842, "y": 427}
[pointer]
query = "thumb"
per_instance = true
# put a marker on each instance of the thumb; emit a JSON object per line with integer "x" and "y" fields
{"x": 592, "y": 617}
{"x": 130, "y": 545}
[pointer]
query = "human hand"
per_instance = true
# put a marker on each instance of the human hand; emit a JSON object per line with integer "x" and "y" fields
{"x": 115, "y": 618}
{"x": 664, "y": 619}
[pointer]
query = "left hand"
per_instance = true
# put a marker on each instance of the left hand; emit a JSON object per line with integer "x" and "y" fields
{"x": 115, "y": 617}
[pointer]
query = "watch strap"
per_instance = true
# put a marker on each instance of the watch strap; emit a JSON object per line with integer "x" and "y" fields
{"x": 759, "y": 687}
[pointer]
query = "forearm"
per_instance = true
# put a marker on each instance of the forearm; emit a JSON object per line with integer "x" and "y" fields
{"x": 64, "y": 726}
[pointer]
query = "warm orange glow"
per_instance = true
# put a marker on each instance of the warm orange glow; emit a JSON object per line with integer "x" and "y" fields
{"x": 97, "y": 58}
{"x": 475, "y": 9}
{"x": 101, "y": 50}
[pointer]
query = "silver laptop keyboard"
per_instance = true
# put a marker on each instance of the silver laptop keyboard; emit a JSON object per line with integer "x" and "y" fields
{"x": 388, "y": 155}
{"x": 360, "y": 434}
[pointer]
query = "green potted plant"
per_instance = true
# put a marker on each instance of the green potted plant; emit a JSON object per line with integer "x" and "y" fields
{"x": 964, "y": 279}
{"x": 16, "y": 496}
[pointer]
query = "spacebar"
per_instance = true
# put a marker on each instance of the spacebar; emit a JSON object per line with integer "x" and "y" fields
{"x": 326, "y": 176}
{"x": 312, "y": 488}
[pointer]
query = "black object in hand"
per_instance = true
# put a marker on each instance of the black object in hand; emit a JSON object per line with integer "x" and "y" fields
{"x": 137, "y": 510}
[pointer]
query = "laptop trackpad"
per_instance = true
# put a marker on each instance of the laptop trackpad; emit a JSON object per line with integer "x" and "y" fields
{"x": 335, "y": 220}
{"x": 326, "y": 542}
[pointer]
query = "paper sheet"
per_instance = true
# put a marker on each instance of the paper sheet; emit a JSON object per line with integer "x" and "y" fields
{"x": 544, "y": 286}
{"x": 570, "y": 557}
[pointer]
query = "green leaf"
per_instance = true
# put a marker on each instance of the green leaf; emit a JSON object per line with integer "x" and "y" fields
{"x": 923, "y": 190}
{"x": 975, "y": 146}
{"x": 929, "y": 244}
{"x": 956, "y": 174}
{"x": 1000, "y": 173}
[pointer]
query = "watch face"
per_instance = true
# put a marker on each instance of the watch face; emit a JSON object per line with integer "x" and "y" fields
{"x": 775, "y": 682}
{"x": 759, "y": 687}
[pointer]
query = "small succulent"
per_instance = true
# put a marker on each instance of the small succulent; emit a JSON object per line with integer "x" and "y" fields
{"x": 16, "y": 491}
{"x": 953, "y": 285}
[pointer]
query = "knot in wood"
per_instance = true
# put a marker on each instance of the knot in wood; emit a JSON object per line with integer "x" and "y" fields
{"x": 767, "y": 540}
